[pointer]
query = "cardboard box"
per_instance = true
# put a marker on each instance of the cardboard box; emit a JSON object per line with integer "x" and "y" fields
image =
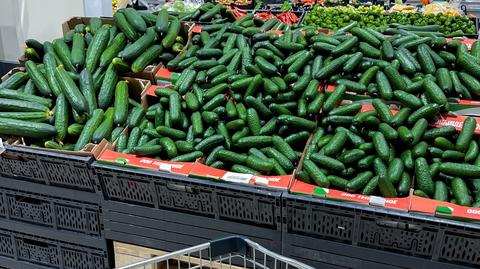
{"x": 300, "y": 187}
{"x": 72, "y": 22}
{"x": 444, "y": 209}
{"x": 163, "y": 76}
{"x": 200, "y": 170}
{"x": 130, "y": 160}
{"x": 465, "y": 107}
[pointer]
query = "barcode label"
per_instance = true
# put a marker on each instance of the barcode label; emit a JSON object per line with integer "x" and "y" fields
{"x": 377, "y": 201}
{"x": 165, "y": 167}
{"x": 237, "y": 177}
{"x": 261, "y": 181}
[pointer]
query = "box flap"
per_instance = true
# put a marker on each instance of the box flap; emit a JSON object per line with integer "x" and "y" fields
{"x": 130, "y": 160}
{"x": 203, "y": 171}
{"x": 444, "y": 209}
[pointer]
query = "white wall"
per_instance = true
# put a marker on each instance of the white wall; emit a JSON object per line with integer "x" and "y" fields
{"x": 39, "y": 19}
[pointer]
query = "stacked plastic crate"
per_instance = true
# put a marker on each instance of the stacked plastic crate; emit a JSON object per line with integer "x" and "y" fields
{"x": 50, "y": 214}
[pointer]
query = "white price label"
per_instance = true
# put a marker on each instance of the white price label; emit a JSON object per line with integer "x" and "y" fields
{"x": 377, "y": 201}
{"x": 261, "y": 181}
{"x": 165, "y": 167}
{"x": 237, "y": 177}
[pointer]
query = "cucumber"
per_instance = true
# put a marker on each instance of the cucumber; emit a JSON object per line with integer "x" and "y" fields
{"x": 172, "y": 33}
{"x": 135, "y": 19}
{"x": 89, "y": 128}
{"x": 466, "y": 134}
{"x": 122, "y": 23}
{"x": 460, "y": 192}
{"x": 381, "y": 145}
{"x": 38, "y": 78}
{"x": 434, "y": 92}
{"x": 115, "y": 46}
{"x": 26, "y": 128}
{"x": 424, "y": 180}
{"x": 61, "y": 117}
{"x": 444, "y": 80}
{"x": 88, "y": 91}
{"x": 147, "y": 150}
{"x": 209, "y": 143}
{"x": 135, "y": 117}
{"x": 366, "y": 36}
{"x": 14, "y": 81}
{"x": 50, "y": 64}
{"x": 96, "y": 48}
{"x": 188, "y": 157}
{"x": 104, "y": 130}
{"x": 10, "y": 105}
{"x": 16, "y": 95}
{"x": 107, "y": 89}
{"x": 136, "y": 48}
{"x": 161, "y": 24}
{"x": 78, "y": 50}
{"x": 27, "y": 116}
{"x": 408, "y": 99}
{"x": 315, "y": 173}
{"x": 63, "y": 52}
{"x": 386, "y": 187}
{"x": 121, "y": 103}
{"x": 384, "y": 87}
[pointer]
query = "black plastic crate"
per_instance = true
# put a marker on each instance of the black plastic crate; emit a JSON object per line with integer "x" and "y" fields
{"x": 50, "y": 212}
{"x": 20, "y": 250}
{"x": 180, "y": 207}
{"x": 323, "y": 232}
{"x": 48, "y": 167}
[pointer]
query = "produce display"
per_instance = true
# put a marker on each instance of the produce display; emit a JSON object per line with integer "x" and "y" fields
{"x": 334, "y": 18}
{"x": 71, "y": 94}
{"x": 249, "y": 99}
{"x": 231, "y": 105}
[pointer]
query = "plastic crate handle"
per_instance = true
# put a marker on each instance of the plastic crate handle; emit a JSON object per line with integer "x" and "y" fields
{"x": 399, "y": 225}
{"x": 11, "y": 156}
{"x": 35, "y": 243}
{"x": 28, "y": 200}
{"x": 182, "y": 188}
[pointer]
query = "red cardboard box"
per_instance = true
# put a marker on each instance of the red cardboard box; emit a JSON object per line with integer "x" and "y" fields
{"x": 130, "y": 160}
{"x": 300, "y": 187}
{"x": 444, "y": 209}
{"x": 202, "y": 171}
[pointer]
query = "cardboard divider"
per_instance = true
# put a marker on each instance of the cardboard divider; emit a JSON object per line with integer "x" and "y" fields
{"x": 72, "y": 22}
{"x": 111, "y": 157}
{"x": 444, "y": 209}
{"x": 300, "y": 187}
{"x": 11, "y": 72}
{"x": 200, "y": 170}
{"x": 163, "y": 76}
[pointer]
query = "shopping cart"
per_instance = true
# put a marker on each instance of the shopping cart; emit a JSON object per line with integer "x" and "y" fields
{"x": 229, "y": 252}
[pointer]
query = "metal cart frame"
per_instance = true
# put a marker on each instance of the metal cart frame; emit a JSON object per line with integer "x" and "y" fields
{"x": 224, "y": 253}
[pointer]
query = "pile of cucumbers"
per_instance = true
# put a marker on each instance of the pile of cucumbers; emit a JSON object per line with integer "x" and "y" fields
{"x": 377, "y": 152}
{"x": 232, "y": 104}
{"x": 133, "y": 41}
{"x": 70, "y": 93}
